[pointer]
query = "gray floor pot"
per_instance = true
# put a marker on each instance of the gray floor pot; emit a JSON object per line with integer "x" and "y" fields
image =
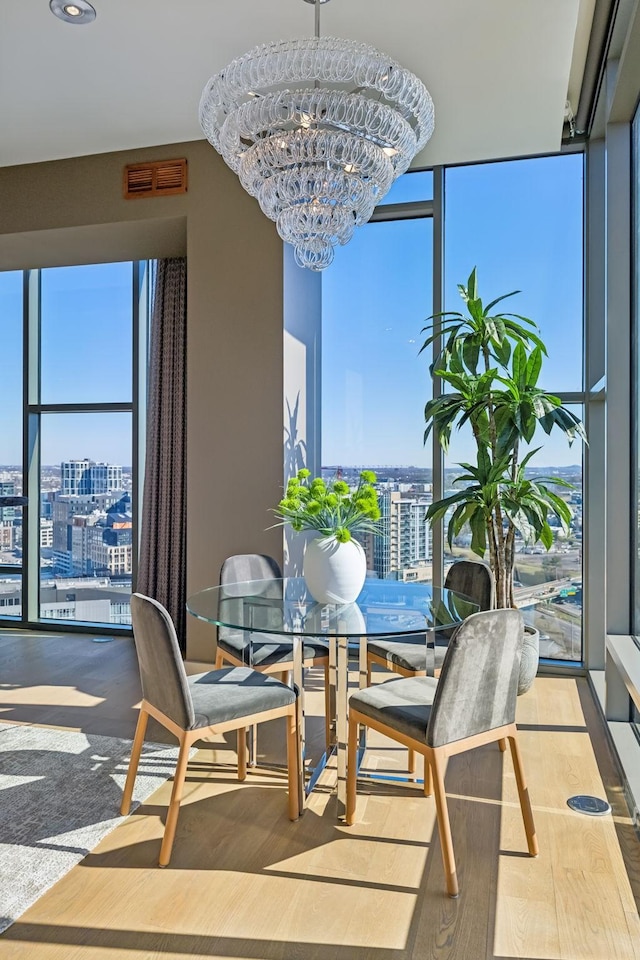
{"x": 530, "y": 658}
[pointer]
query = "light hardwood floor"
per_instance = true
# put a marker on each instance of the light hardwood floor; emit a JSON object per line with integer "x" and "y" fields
{"x": 244, "y": 882}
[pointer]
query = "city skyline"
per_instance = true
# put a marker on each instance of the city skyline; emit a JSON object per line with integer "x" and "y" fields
{"x": 85, "y": 533}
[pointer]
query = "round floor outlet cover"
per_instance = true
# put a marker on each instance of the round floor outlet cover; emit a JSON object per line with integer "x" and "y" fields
{"x": 592, "y": 806}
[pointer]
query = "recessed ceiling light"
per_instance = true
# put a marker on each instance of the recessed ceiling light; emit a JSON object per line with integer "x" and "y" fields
{"x": 78, "y": 11}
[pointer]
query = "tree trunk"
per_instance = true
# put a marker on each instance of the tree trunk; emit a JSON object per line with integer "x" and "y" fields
{"x": 498, "y": 560}
{"x": 493, "y": 557}
{"x": 510, "y": 557}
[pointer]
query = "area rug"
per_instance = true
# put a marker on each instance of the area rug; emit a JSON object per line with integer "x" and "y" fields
{"x": 60, "y": 794}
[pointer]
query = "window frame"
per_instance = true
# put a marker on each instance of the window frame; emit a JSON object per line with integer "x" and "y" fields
{"x": 32, "y": 412}
{"x": 435, "y": 209}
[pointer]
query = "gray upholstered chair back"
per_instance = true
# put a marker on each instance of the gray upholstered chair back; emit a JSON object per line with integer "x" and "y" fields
{"x": 249, "y": 566}
{"x": 478, "y": 682}
{"x": 473, "y": 580}
{"x": 162, "y": 673}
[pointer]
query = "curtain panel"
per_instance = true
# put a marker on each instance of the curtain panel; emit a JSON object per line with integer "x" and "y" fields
{"x": 163, "y": 558}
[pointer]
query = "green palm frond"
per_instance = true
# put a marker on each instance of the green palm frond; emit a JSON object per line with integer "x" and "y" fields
{"x": 490, "y": 364}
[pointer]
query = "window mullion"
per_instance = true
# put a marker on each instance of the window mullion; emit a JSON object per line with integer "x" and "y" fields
{"x": 31, "y": 449}
{"x": 80, "y": 407}
{"x": 437, "y": 472}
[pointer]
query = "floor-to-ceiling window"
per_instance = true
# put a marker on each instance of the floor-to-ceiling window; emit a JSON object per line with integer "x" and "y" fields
{"x": 72, "y": 356}
{"x": 520, "y": 223}
{"x": 375, "y": 298}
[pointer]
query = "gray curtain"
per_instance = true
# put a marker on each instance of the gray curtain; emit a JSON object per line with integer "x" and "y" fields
{"x": 163, "y": 557}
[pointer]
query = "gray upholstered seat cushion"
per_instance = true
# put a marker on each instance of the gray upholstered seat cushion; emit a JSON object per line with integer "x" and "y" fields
{"x": 404, "y": 704}
{"x": 233, "y": 693}
{"x": 267, "y": 649}
{"x": 476, "y": 691}
{"x": 409, "y": 653}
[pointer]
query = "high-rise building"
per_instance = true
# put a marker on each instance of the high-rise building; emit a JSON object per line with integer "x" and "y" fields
{"x": 112, "y": 553}
{"x": 85, "y": 532}
{"x": 7, "y": 535}
{"x": 7, "y": 489}
{"x": 87, "y": 490}
{"x": 72, "y": 518}
{"x": 406, "y": 537}
{"x": 88, "y": 477}
{"x": 46, "y": 533}
{"x": 382, "y": 543}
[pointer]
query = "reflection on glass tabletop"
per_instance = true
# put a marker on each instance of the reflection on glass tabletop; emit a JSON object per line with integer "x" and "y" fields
{"x": 284, "y": 606}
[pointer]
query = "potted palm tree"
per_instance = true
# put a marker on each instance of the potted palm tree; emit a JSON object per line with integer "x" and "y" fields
{"x": 490, "y": 362}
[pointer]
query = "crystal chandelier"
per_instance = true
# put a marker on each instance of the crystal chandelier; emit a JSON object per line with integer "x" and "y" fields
{"x": 317, "y": 130}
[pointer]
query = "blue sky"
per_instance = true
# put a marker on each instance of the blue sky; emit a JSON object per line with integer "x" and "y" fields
{"x": 87, "y": 334}
{"x": 520, "y": 224}
{"x": 11, "y": 377}
{"x": 86, "y": 358}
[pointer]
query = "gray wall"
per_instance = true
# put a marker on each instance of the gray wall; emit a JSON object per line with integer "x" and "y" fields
{"x": 72, "y": 211}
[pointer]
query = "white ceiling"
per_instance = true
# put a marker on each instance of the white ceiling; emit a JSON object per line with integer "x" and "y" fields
{"x": 498, "y": 70}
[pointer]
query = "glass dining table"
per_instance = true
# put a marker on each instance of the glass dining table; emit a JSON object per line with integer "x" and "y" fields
{"x": 285, "y": 610}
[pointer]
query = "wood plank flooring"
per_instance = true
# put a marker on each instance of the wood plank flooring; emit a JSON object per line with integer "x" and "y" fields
{"x": 245, "y": 883}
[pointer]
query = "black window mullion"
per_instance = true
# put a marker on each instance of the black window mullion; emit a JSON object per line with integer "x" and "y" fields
{"x": 32, "y": 363}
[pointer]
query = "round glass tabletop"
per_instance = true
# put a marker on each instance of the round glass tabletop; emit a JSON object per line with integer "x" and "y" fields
{"x": 285, "y": 607}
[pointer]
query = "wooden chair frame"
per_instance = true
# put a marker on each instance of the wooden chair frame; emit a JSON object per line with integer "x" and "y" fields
{"x": 186, "y": 739}
{"x": 391, "y": 667}
{"x": 434, "y": 771}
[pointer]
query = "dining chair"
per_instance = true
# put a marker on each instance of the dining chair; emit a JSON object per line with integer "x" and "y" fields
{"x": 472, "y": 703}
{"x": 407, "y": 656}
{"x": 198, "y": 706}
{"x": 268, "y": 653}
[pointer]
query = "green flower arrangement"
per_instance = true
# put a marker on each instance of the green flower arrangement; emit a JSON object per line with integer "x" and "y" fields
{"x": 331, "y": 508}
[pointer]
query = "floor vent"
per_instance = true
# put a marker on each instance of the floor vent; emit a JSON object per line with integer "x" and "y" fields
{"x": 158, "y": 179}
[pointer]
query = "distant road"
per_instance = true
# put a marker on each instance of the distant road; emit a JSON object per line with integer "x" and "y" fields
{"x": 523, "y": 596}
{"x": 563, "y": 636}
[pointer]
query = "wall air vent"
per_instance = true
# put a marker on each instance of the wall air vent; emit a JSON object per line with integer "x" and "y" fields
{"x": 158, "y": 179}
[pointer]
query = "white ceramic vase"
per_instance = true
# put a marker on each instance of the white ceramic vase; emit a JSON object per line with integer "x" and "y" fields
{"x": 334, "y": 572}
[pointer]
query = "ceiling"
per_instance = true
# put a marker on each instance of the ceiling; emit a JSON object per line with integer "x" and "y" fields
{"x": 499, "y": 71}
